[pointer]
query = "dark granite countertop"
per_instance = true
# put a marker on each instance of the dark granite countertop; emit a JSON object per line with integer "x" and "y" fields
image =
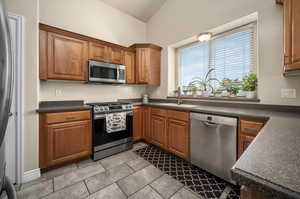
{"x": 271, "y": 163}
{"x": 61, "y": 106}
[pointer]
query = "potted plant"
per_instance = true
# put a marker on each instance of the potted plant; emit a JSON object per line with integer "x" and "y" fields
{"x": 193, "y": 90}
{"x": 249, "y": 85}
{"x": 218, "y": 92}
{"x": 231, "y": 86}
{"x": 185, "y": 90}
{"x": 204, "y": 84}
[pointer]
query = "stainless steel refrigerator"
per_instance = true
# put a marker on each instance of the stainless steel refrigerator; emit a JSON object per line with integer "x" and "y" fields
{"x": 6, "y": 80}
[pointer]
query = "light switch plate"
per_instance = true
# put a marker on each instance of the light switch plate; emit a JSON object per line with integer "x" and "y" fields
{"x": 288, "y": 93}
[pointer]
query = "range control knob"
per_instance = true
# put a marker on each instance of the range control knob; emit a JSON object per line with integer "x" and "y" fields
{"x": 97, "y": 109}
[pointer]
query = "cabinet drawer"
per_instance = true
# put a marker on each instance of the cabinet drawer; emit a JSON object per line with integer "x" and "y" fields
{"x": 52, "y": 118}
{"x": 159, "y": 112}
{"x": 250, "y": 127}
{"x": 178, "y": 115}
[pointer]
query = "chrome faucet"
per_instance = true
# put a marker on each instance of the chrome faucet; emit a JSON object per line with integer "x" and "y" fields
{"x": 179, "y": 100}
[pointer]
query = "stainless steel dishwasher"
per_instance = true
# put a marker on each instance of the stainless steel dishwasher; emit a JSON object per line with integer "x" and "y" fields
{"x": 214, "y": 143}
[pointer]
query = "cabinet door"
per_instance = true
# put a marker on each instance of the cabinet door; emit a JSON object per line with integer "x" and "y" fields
{"x": 178, "y": 138}
{"x": 244, "y": 142}
{"x": 98, "y": 52}
{"x": 115, "y": 55}
{"x": 146, "y": 124}
{"x": 68, "y": 141}
{"x": 142, "y": 65}
{"x": 154, "y": 70}
{"x": 247, "y": 193}
{"x": 129, "y": 62}
{"x": 291, "y": 32}
{"x": 158, "y": 131}
{"x": 137, "y": 123}
{"x": 67, "y": 58}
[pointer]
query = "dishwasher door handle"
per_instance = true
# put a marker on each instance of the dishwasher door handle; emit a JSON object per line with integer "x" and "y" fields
{"x": 209, "y": 124}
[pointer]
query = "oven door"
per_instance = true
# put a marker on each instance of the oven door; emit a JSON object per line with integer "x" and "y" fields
{"x": 102, "y": 138}
{"x": 103, "y": 72}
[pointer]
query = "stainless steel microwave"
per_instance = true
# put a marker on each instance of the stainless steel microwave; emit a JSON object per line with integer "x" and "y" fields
{"x": 106, "y": 73}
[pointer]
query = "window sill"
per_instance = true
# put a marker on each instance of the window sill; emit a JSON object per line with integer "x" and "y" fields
{"x": 236, "y": 99}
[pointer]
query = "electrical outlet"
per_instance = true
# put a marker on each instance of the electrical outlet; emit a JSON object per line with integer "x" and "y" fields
{"x": 288, "y": 93}
{"x": 58, "y": 92}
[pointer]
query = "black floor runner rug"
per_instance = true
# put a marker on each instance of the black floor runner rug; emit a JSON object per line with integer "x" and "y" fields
{"x": 198, "y": 180}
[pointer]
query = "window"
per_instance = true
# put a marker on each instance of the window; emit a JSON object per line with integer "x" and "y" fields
{"x": 229, "y": 56}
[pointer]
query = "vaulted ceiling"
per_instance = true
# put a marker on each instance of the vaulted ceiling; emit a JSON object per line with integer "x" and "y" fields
{"x": 140, "y": 9}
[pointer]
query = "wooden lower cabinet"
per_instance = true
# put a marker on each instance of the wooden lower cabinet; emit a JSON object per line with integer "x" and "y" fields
{"x": 244, "y": 142}
{"x": 146, "y": 124}
{"x": 159, "y": 131}
{"x": 68, "y": 141}
{"x": 178, "y": 138}
{"x": 248, "y": 130}
{"x": 170, "y": 131}
{"x": 247, "y": 193}
{"x": 61, "y": 140}
{"x": 137, "y": 123}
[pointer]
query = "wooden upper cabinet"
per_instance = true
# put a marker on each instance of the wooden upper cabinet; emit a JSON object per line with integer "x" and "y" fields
{"x": 98, "y": 52}
{"x": 148, "y": 63}
{"x": 129, "y": 62}
{"x": 104, "y": 53}
{"x": 64, "y": 55}
{"x": 67, "y": 58}
{"x": 291, "y": 35}
{"x": 142, "y": 65}
{"x": 116, "y": 55}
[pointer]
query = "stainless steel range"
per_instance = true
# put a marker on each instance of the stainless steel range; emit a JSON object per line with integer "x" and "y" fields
{"x": 112, "y": 128}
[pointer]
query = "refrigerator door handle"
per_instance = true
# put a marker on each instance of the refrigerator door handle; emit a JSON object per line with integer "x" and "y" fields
{"x": 6, "y": 71}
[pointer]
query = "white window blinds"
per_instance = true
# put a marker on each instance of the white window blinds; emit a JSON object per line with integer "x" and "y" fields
{"x": 231, "y": 55}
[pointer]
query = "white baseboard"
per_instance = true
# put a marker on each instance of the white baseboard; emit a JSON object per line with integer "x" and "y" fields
{"x": 31, "y": 175}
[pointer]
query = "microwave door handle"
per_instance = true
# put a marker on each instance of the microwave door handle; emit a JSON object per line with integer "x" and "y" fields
{"x": 118, "y": 73}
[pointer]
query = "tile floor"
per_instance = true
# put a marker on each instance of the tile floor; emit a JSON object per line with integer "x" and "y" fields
{"x": 125, "y": 175}
{"x": 202, "y": 182}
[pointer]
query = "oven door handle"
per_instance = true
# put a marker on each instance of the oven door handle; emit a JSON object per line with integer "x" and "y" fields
{"x": 103, "y": 116}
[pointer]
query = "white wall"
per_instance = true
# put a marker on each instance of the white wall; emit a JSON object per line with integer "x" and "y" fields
{"x": 178, "y": 20}
{"x": 96, "y": 19}
{"x": 29, "y": 9}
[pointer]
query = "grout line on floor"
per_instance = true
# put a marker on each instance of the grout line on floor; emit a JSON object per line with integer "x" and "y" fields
{"x": 156, "y": 191}
{"x": 121, "y": 189}
{"x": 146, "y": 184}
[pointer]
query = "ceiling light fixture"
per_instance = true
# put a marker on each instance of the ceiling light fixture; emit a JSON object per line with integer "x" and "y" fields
{"x": 206, "y": 36}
